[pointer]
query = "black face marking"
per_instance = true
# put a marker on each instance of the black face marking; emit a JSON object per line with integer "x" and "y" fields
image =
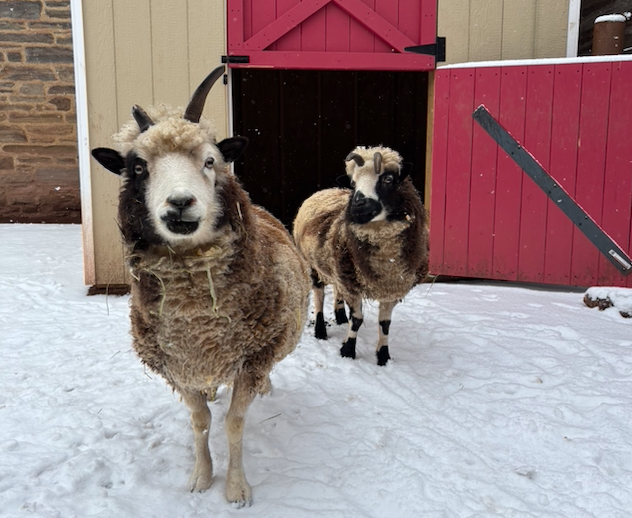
{"x": 348, "y": 349}
{"x": 385, "y": 325}
{"x": 382, "y": 355}
{"x": 134, "y": 219}
{"x": 361, "y": 209}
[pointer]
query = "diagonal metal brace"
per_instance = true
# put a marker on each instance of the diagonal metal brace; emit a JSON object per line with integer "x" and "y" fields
{"x": 525, "y": 160}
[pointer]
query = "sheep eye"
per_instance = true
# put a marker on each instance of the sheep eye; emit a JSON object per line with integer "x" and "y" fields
{"x": 208, "y": 163}
{"x": 139, "y": 169}
{"x": 387, "y": 178}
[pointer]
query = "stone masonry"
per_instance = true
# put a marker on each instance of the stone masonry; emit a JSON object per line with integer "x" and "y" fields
{"x": 39, "y": 178}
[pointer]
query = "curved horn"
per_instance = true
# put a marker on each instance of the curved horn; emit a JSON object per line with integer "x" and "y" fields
{"x": 355, "y": 157}
{"x": 377, "y": 162}
{"x": 196, "y": 104}
{"x": 142, "y": 119}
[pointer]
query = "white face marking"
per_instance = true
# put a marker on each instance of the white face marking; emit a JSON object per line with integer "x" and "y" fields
{"x": 180, "y": 187}
{"x": 366, "y": 183}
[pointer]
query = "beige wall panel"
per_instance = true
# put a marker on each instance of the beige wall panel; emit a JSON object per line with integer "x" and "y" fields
{"x": 141, "y": 52}
{"x": 107, "y": 264}
{"x": 132, "y": 27}
{"x": 453, "y": 18}
{"x": 551, "y": 27}
{"x": 486, "y": 35}
{"x": 485, "y": 30}
{"x": 518, "y": 29}
{"x": 170, "y": 52}
{"x": 207, "y": 45}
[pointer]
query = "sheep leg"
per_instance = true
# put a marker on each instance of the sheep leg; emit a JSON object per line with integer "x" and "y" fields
{"x": 384, "y": 318}
{"x": 238, "y": 490}
{"x": 355, "y": 312}
{"x": 339, "y": 309}
{"x": 318, "y": 287}
{"x": 202, "y": 476}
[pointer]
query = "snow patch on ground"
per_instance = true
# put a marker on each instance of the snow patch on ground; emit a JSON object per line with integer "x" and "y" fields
{"x": 499, "y": 401}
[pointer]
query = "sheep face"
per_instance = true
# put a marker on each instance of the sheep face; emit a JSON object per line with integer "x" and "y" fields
{"x": 374, "y": 174}
{"x": 174, "y": 171}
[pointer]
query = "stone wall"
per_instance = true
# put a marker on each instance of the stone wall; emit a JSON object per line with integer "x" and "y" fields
{"x": 39, "y": 178}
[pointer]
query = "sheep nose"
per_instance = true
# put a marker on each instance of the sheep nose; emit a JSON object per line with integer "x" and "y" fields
{"x": 181, "y": 202}
{"x": 359, "y": 199}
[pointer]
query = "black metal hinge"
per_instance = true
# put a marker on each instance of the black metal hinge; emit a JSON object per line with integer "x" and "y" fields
{"x": 434, "y": 49}
{"x": 580, "y": 218}
{"x": 236, "y": 59}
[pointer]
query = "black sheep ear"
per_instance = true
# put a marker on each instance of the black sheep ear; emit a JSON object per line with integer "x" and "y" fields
{"x": 232, "y": 148}
{"x": 110, "y": 159}
{"x": 407, "y": 168}
{"x": 344, "y": 181}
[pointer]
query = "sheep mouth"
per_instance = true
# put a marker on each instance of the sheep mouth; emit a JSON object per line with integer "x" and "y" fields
{"x": 182, "y": 227}
{"x": 362, "y": 217}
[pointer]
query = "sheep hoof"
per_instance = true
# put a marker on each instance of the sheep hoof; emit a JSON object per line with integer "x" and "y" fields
{"x": 341, "y": 316}
{"x": 348, "y": 349}
{"x": 382, "y": 355}
{"x": 199, "y": 483}
{"x": 239, "y": 497}
{"x": 320, "y": 330}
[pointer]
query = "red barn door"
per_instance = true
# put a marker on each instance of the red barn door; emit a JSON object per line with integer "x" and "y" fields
{"x": 488, "y": 218}
{"x": 331, "y": 34}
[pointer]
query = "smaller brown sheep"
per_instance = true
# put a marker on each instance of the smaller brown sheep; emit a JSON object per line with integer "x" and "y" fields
{"x": 368, "y": 242}
{"x": 219, "y": 291}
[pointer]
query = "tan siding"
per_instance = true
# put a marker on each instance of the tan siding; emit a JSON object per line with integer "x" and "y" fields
{"x": 485, "y": 30}
{"x": 141, "y": 52}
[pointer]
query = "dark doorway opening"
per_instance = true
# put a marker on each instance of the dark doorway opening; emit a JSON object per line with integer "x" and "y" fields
{"x": 302, "y": 124}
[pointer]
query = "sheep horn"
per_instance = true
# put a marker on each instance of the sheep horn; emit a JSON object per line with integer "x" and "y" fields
{"x": 141, "y": 117}
{"x": 357, "y": 158}
{"x": 377, "y": 161}
{"x": 196, "y": 104}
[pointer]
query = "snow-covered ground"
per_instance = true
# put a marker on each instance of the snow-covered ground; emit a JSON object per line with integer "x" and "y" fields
{"x": 499, "y": 401}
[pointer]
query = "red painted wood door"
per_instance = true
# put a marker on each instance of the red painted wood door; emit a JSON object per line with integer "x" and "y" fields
{"x": 487, "y": 218}
{"x": 331, "y": 34}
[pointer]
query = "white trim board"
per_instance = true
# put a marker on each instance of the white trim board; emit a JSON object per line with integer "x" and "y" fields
{"x": 572, "y": 37}
{"x": 83, "y": 142}
{"x": 542, "y": 61}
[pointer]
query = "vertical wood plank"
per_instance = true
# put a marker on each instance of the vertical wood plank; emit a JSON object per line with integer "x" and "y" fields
{"x": 458, "y": 171}
{"x": 337, "y": 29}
{"x": 534, "y": 205}
{"x": 509, "y": 176}
{"x": 486, "y": 22}
{"x": 518, "y": 29}
{"x": 205, "y": 49}
{"x": 483, "y": 182}
{"x": 409, "y": 19}
{"x": 440, "y": 127}
{"x": 291, "y": 40}
{"x": 551, "y": 28}
{"x": 313, "y": 32}
{"x": 563, "y": 167}
{"x": 387, "y": 9}
{"x": 454, "y": 23}
{"x": 360, "y": 38}
{"x": 590, "y": 165}
{"x": 108, "y": 254}
{"x": 617, "y": 194}
{"x": 428, "y": 23}
{"x": 169, "y": 53}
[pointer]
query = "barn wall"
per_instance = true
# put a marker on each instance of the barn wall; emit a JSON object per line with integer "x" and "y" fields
{"x": 140, "y": 52}
{"x": 489, "y": 220}
{"x": 486, "y": 30}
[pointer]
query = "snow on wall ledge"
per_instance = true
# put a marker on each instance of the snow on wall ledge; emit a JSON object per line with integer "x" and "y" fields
{"x": 543, "y": 61}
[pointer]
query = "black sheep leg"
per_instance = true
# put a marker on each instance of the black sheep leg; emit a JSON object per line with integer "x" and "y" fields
{"x": 381, "y": 350}
{"x": 348, "y": 347}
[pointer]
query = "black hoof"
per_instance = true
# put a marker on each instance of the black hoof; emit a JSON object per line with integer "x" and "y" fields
{"x": 348, "y": 349}
{"x": 341, "y": 316}
{"x": 320, "y": 330}
{"x": 382, "y": 355}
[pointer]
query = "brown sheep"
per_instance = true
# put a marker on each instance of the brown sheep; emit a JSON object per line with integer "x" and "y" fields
{"x": 219, "y": 291}
{"x": 369, "y": 242}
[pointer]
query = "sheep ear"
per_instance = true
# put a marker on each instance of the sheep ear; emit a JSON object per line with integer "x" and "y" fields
{"x": 110, "y": 159}
{"x": 232, "y": 148}
{"x": 344, "y": 181}
{"x": 407, "y": 168}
